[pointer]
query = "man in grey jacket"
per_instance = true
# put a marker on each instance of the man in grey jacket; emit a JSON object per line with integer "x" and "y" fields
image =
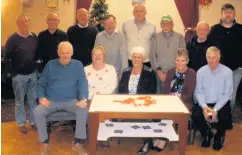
{"x": 163, "y": 48}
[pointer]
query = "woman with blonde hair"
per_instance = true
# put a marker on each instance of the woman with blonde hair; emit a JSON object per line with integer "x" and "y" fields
{"x": 102, "y": 77}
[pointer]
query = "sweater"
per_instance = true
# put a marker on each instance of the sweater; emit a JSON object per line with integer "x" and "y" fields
{"x": 63, "y": 83}
{"x": 48, "y": 43}
{"x": 102, "y": 81}
{"x": 22, "y": 52}
{"x": 188, "y": 87}
{"x": 230, "y": 43}
{"x": 82, "y": 40}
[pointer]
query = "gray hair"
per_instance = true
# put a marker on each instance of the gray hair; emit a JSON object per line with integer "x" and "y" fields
{"x": 65, "y": 44}
{"x": 138, "y": 50}
{"x": 213, "y": 49}
{"x": 182, "y": 52}
{"x": 203, "y": 22}
{"x": 140, "y": 4}
{"x": 22, "y": 15}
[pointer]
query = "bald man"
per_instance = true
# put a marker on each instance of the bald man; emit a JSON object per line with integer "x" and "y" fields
{"x": 49, "y": 39}
{"x": 198, "y": 46}
{"x": 21, "y": 49}
{"x": 62, "y": 86}
{"x": 82, "y": 37}
{"x": 139, "y": 32}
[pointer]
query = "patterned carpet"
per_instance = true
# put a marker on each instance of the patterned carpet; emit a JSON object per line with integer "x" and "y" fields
{"x": 7, "y": 112}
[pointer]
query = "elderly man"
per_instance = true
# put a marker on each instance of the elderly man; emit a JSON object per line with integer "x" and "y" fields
{"x": 82, "y": 37}
{"x": 114, "y": 43}
{"x": 139, "y": 32}
{"x": 228, "y": 33}
{"x": 164, "y": 45}
{"x": 49, "y": 39}
{"x": 21, "y": 49}
{"x": 213, "y": 92}
{"x": 198, "y": 46}
{"x": 63, "y": 86}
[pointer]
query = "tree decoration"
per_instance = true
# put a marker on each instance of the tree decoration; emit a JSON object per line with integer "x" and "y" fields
{"x": 205, "y": 4}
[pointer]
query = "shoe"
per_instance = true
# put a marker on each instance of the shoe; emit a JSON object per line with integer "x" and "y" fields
{"x": 218, "y": 143}
{"x": 45, "y": 149}
{"x": 159, "y": 144}
{"x": 144, "y": 149}
{"x": 78, "y": 148}
{"x": 33, "y": 126}
{"x": 207, "y": 139}
{"x": 23, "y": 129}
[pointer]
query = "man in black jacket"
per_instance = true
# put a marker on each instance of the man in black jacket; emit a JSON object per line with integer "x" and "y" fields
{"x": 228, "y": 33}
{"x": 49, "y": 39}
{"x": 82, "y": 37}
{"x": 198, "y": 46}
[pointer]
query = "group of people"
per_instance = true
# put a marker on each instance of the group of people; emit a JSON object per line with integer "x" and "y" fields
{"x": 137, "y": 60}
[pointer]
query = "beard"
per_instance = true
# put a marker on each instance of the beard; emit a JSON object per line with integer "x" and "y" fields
{"x": 227, "y": 20}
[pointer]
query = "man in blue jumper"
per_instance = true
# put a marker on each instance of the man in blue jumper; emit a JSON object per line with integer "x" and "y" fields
{"x": 63, "y": 86}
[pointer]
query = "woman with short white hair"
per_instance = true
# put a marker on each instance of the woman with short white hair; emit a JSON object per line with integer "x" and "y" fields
{"x": 139, "y": 79}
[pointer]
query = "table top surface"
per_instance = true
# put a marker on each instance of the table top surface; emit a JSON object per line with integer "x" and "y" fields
{"x": 132, "y": 103}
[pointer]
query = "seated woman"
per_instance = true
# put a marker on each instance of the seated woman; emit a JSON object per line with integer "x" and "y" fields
{"x": 101, "y": 77}
{"x": 138, "y": 79}
{"x": 181, "y": 81}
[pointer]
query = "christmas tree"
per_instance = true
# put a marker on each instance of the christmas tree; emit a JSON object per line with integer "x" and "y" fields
{"x": 98, "y": 11}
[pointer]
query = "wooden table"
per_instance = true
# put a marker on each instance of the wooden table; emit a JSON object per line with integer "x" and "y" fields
{"x": 167, "y": 107}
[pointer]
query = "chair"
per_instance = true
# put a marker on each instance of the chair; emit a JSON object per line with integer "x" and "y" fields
{"x": 60, "y": 116}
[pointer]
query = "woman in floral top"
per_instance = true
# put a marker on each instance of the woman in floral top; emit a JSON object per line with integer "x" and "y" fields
{"x": 181, "y": 80}
{"x": 102, "y": 78}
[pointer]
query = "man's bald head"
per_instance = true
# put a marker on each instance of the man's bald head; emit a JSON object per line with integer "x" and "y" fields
{"x": 139, "y": 12}
{"x": 53, "y": 21}
{"x": 82, "y": 16}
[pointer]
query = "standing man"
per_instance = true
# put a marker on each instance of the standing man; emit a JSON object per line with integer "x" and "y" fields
{"x": 198, "y": 46}
{"x": 49, "y": 39}
{"x": 114, "y": 43}
{"x": 21, "y": 49}
{"x": 228, "y": 33}
{"x": 163, "y": 48}
{"x": 139, "y": 32}
{"x": 82, "y": 37}
{"x": 213, "y": 92}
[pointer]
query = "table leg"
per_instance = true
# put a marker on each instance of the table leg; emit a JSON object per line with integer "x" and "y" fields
{"x": 93, "y": 132}
{"x": 182, "y": 131}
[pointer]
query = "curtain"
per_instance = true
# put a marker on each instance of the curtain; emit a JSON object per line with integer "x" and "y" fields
{"x": 189, "y": 12}
{"x": 83, "y": 4}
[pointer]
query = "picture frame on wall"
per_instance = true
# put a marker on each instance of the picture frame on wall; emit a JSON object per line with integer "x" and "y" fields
{"x": 52, "y": 4}
{"x": 137, "y": 1}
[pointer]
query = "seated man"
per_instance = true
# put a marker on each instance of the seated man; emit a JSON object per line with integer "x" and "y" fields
{"x": 63, "y": 86}
{"x": 213, "y": 92}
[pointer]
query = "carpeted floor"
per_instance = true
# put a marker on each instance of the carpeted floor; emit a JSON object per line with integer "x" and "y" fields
{"x": 8, "y": 114}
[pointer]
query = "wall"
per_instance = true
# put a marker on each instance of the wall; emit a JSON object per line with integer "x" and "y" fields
{"x": 12, "y": 8}
{"x": 122, "y": 9}
{"x": 8, "y": 22}
{"x": 38, "y": 14}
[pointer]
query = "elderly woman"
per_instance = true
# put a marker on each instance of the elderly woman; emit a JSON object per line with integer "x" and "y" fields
{"x": 102, "y": 78}
{"x": 138, "y": 79}
{"x": 181, "y": 81}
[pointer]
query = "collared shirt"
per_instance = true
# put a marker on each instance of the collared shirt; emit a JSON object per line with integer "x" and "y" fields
{"x": 82, "y": 26}
{"x": 30, "y": 34}
{"x": 139, "y": 36}
{"x": 116, "y": 49}
{"x": 214, "y": 86}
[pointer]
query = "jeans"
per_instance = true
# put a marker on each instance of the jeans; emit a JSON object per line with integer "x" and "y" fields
{"x": 160, "y": 89}
{"x": 42, "y": 112}
{"x": 237, "y": 75}
{"x": 24, "y": 85}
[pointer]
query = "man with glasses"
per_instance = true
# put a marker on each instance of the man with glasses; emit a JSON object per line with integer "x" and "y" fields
{"x": 228, "y": 33}
{"x": 49, "y": 39}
